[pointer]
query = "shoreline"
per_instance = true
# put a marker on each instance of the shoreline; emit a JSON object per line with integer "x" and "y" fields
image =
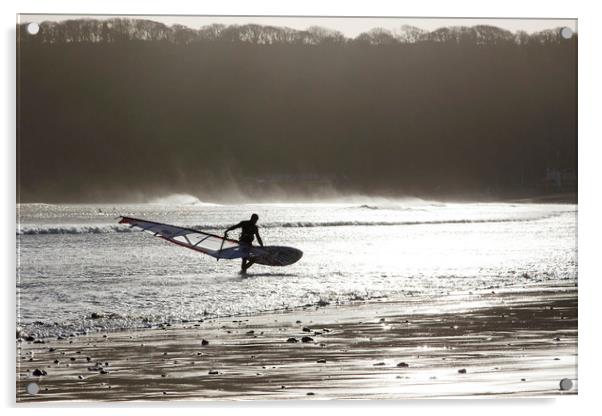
{"x": 510, "y": 342}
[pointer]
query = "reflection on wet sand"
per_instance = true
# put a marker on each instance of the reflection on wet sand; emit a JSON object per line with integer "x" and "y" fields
{"x": 506, "y": 343}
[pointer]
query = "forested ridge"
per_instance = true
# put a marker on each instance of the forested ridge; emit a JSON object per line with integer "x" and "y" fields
{"x": 108, "y": 109}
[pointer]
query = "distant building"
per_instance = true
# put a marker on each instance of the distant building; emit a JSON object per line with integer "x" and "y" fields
{"x": 560, "y": 179}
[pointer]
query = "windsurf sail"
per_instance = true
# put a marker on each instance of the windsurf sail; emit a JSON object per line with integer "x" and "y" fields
{"x": 211, "y": 244}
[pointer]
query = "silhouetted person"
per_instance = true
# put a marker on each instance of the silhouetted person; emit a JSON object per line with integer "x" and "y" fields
{"x": 247, "y": 235}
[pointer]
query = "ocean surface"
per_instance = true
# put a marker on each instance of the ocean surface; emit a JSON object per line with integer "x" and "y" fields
{"x": 79, "y": 271}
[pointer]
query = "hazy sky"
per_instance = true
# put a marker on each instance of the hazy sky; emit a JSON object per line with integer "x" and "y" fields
{"x": 349, "y": 26}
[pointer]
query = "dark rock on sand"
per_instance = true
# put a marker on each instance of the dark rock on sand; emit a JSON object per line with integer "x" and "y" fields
{"x": 566, "y": 384}
{"x": 310, "y": 393}
{"x": 57, "y": 362}
{"x": 204, "y": 342}
{"x": 321, "y": 361}
{"x": 403, "y": 365}
{"x": 307, "y": 339}
{"x": 378, "y": 364}
{"x": 462, "y": 371}
{"x": 306, "y": 329}
{"x": 292, "y": 340}
{"x": 213, "y": 372}
{"x": 80, "y": 377}
{"x": 251, "y": 332}
{"x": 29, "y": 338}
{"x": 38, "y": 373}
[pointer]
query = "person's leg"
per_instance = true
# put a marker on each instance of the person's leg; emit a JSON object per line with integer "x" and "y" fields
{"x": 249, "y": 264}
{"x": 243, "y": 266}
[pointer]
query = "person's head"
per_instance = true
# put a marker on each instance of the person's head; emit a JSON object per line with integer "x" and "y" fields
{"x": 254, "y": 218}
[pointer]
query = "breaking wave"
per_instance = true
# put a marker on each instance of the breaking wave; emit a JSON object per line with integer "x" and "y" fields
{"x": 181, "y": 199}
{"x": 116, "y": 228}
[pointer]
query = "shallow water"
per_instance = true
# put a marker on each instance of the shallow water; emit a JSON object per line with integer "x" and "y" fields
{"x": 75, "y": 260}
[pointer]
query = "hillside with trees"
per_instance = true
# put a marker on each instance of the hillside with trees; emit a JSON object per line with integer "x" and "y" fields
{"x": 108, "y": 109}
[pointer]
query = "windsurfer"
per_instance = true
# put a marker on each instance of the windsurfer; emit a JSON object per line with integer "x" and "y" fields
{"x": 248, "y": 233}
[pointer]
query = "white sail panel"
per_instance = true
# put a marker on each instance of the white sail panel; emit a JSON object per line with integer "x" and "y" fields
{"x": 211, "y": 244}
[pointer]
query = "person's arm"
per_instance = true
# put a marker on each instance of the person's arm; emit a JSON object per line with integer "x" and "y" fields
{"x": 234, "y": 227}
{"x": 258, "y": 237}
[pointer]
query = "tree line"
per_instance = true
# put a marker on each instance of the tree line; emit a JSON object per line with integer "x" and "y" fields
{"x": 125, "y": 29}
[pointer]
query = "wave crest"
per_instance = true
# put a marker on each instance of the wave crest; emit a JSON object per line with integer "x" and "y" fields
{"x": 116, "y": 228}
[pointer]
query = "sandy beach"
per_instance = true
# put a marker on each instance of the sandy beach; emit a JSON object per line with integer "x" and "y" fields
{"x": 496, "y": 343}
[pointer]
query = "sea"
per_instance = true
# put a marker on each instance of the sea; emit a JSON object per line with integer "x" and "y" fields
{"x": 79, "y": 271}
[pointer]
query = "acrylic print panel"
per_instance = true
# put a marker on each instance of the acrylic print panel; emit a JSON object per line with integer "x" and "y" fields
{"x": 414, "y": 185}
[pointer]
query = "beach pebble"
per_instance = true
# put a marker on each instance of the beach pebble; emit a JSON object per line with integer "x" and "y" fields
{"x": 403, "y": 365}
{"x": 213, "y": 372}
{"x": 462, "y": 371}
{"x": 310, "y": 393}
{"x": 321, "y": 361}
{"x": 298, "y": 322}
{"x": 51, "y": 349}
{"x": 251, "y": 332}
{"x": 57, "y": 362}
{"x": 38, "y": 373}
{"x": 292, "y": 340}
{"x": 282, "y": 387}
{"x": 306, "y": 329}
{"x": 307, "y": 339}
{"x": 204, "y": 342}
{"x": 566, "y": 384}
{"x": 557, "y": 339}
{"x": 80, "y": 377}
{"x": 29, "y": 338}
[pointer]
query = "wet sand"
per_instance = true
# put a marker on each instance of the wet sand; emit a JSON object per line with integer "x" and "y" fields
{"x": 502, "y": 343}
